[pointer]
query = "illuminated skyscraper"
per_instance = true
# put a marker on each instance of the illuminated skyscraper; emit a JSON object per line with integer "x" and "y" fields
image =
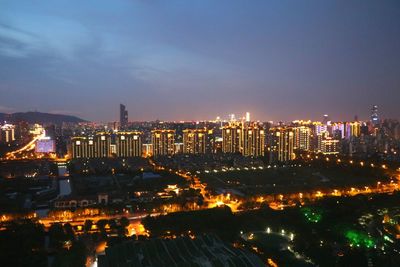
{"x": 338, "y": 130}
{"x": 247, "y": 116}
{"x": 194, "y": 141}
{"x": 128, "y": 144}
{"x": 231, "y": 138}
{"x": 326, "y": 120}
{"x": 163, "y": 142}
{"x": 253, "y": 141}
{"x": 302, "y": 138}
{"x": 352, "y": 129}
{"x": 123, "y": 116}
{"x": 281, "y": 144}
{"x": 319, "y": 128}
{"x": 318, "y": 141}
{"x": 374, "y": 115}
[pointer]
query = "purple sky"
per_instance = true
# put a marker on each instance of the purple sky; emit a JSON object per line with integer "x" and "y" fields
{"x": 181, "y": 60}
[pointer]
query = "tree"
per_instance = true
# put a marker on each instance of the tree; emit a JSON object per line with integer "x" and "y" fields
{"x": 124, "y": 222}
{"x": 69, "y": 231}
{"x": 101, "y": 225}
{"x": 87, "y": 226}
{"x": 57, "y": 235}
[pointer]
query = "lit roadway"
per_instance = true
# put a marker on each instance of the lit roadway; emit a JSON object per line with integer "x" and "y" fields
{"x": 27, "y": 152}
{"x": 275, "y": 201}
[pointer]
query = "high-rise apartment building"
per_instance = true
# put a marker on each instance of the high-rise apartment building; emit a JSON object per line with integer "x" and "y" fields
{"x": 253, "y": 142}
{"x": 231, "y": 138}
{"x": 163, "y": 142}
{"x": 128, "y": 144}
{"x": 96, "y": 146}
{"x": 82, "y": 147}
{"x": 7, "y": 133}
{"x": 246, "y": 138}
{"x": 329, "y": 146}
{"x": 194, "y": 141}
{"x": 302, "y": 138}
{"x": 281, "y": 148}
{"x": 352, "y": 129}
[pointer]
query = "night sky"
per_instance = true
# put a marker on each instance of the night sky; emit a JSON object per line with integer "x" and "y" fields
{"x": 190, "y": 60}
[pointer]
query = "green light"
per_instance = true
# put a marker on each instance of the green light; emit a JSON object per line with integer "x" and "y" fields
{"x": 312, "y": 215}
{"x": 357, "y": 238}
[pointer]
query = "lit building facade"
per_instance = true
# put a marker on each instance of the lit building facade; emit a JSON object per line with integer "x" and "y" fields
{"x": 253, "y": 143}
{"x": 178, "y": 148}
{"x": 163, "y": 142}
{"x": 302, "y": 138}
{"x": 102, "y": 142}
{"x": 147, "y": 150}
{"x": 338, "y": 130}
{"x": 128, "y": 144}
{"x": 374, "y": 115}
{"x": 7, "y": 133}
{"x": 96, "y": 146}
{"x": 231, "y": 138}
{"x": 281, "y": 148}
{"x": 194, "y": 141}
{"x": 82, "y": 147}
{"x": 329, "y": 146}
{"x": 353, "y": 129}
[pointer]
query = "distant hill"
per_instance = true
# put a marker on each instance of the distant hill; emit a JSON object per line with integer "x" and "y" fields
{"x": 39, "y": 117}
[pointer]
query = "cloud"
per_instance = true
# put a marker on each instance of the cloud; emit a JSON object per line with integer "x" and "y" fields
{"x": 15, "y": 42}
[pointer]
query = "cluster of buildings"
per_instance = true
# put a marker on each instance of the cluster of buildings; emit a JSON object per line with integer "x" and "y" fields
{"x": 7, "y": 133}
{"x": 309, "y": 136}
{"x": 245, "y": 137}
{"x": 105, "y": 144}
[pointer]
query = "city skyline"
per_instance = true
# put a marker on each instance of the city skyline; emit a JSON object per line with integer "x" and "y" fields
{"x": 163, "y": 59}
{"x": 199, "y": 133}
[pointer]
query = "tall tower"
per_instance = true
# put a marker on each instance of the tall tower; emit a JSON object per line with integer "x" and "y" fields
{"x": 123, "y": 116}
{"x": 325, "y": 119}
{"x": 247, "y": 116}
{"x": 374, "y": 115}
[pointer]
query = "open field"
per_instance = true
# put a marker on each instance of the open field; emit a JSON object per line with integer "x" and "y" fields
{"x": 294, "y": 178}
